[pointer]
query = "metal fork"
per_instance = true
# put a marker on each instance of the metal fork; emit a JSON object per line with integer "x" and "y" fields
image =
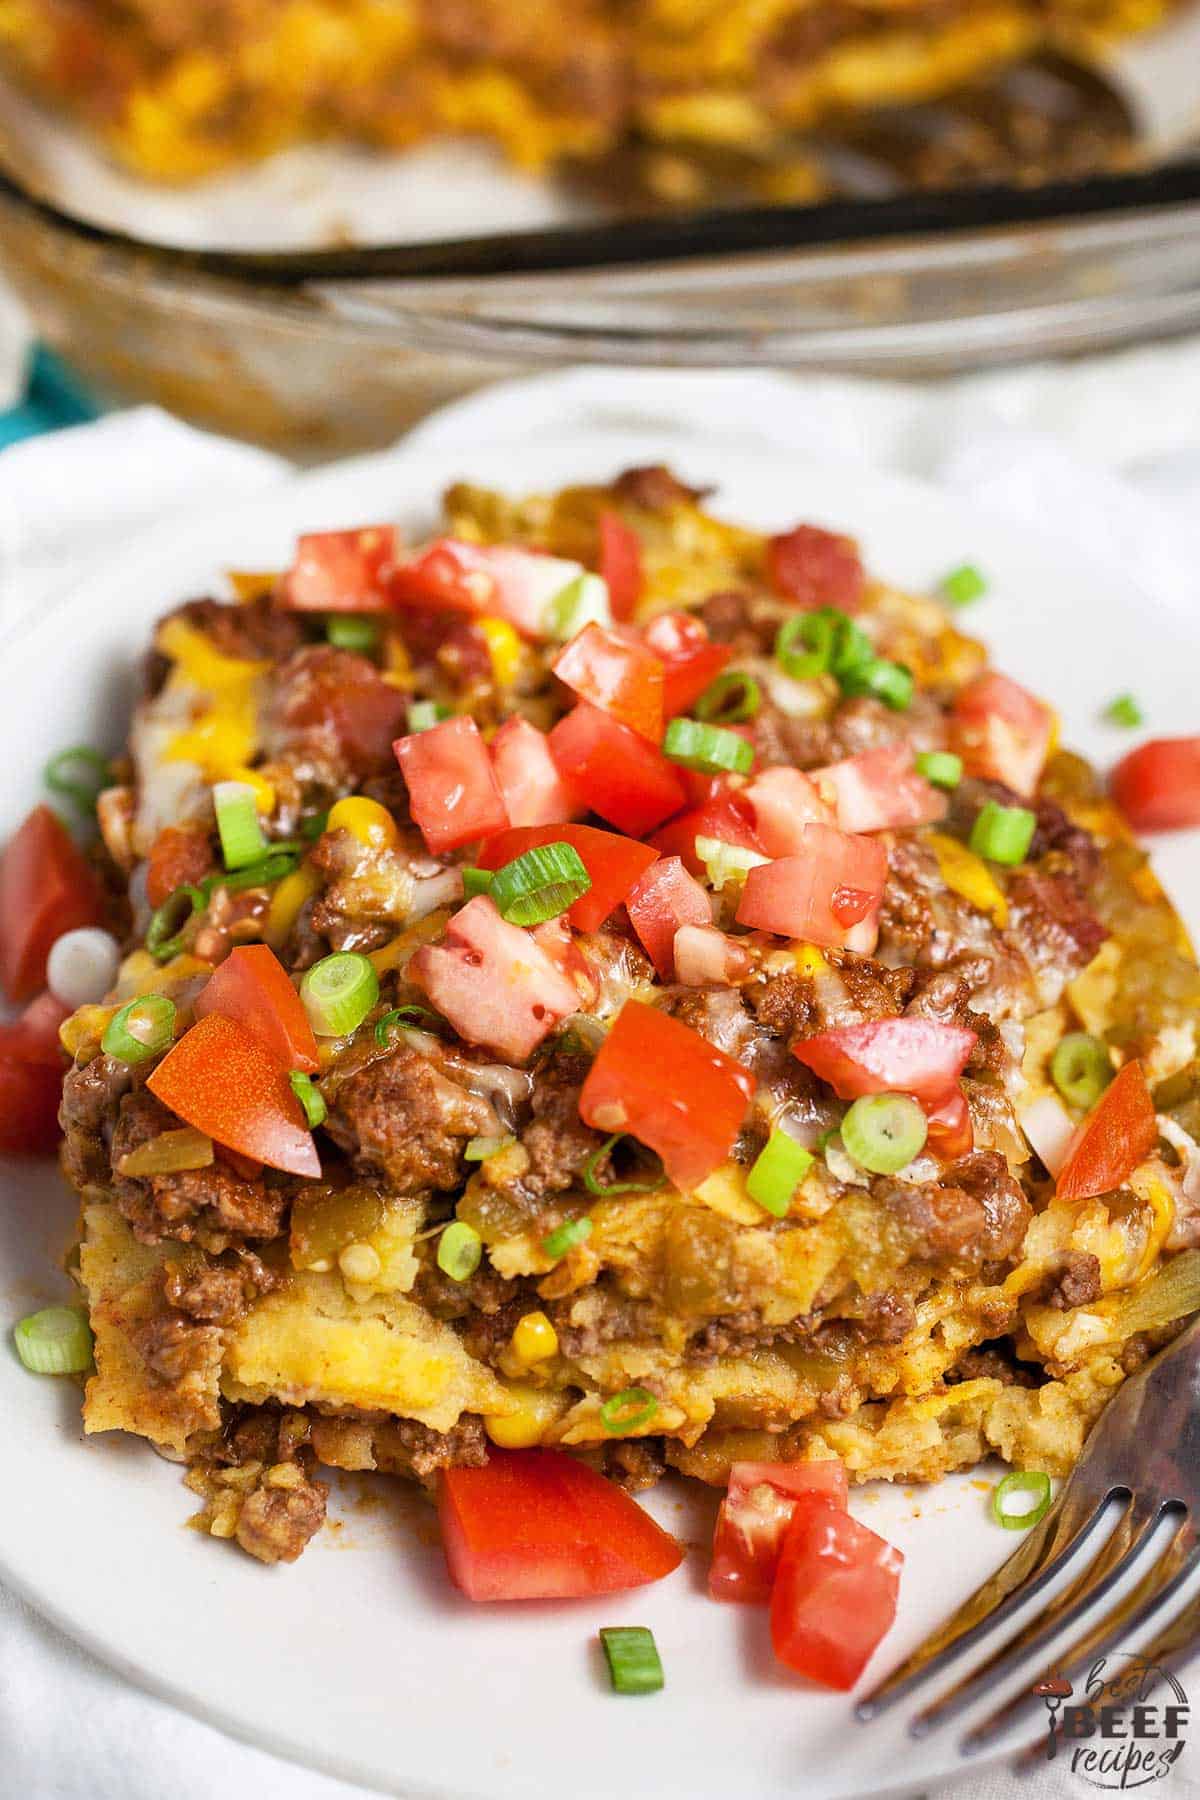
{"x": 1145, "y": 1453}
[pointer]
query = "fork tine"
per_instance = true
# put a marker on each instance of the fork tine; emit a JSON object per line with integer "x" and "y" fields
{"x": 1042, "y": 1557}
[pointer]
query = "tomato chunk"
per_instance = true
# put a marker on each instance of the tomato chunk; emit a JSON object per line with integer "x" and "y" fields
{"x": 31, "y": 1077}
{"x": 673, "y": 1090}
{"x": 832, "y": 885}
{"x": 452, "y": 787}
{"x": 46, "y": 887}
{"x": 922, "y": 1057}
{"x": 538, "y": 1525}
{"x": 621, "y": 678}
{"x": 336, "y": 698}
{"x": 835, "y": 1594}
{"x": 1117, "y": 1135}
{"x": 726, "y": 816}
{"x": 530, "y": 783}
{"x": 219, "y": 1078}
{"x": 1157, "y": 786}
{"x": 615, "y": 772}
{"x": 620, "y": 564}
{"x": 659, "y": 902}
{"x": 690, "y": 662}
{"x": 816, "y": 568}
{"x": 880, "y": 790}
{"x": 784, "y": 801}
{"x": 341, "y": 571}
{"x": 1003, "y": 732}
{"x": 252, "y": 987}
{"x": 754, "y": 1515}
{"x": 951, "y": 1133}
{"x": 179, "y": 855}
{"x": 496, "y": 579}
{"x": 493, "y": 982}
{"x": 613, "y": 863}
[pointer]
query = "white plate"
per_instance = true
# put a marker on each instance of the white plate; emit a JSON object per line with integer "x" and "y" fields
{"x": 361, "y": 1659}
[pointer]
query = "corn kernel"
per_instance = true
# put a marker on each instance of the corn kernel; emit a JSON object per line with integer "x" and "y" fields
{"x": 87, "y": 1024}
{"x": 534, "y": 1339}
{"x": 809, "y": 960}
{"x": 264, "y": 790}
{"x": 287, "y": 900}
{"x": 521, "y": 1429}
{"x": 372, "y": 824}
{"x": 504, "y": 648}
{"x": 968, "y": 875}
{"x": 360, "y": 1263}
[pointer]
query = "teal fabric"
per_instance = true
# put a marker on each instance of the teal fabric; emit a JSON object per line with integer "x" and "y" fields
{"x": 54, "y": 397}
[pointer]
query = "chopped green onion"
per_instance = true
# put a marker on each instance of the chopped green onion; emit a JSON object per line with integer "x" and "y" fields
{"x": 422, "y": 714}
{"x": 731, "y": 699}
{"x": 832, "y": 644}
{"x": 962, "y": 585}
{"x": 1003, "y": 834}
{"x": 726, "y": 864}
{"x": 778, "y": 1172}
{"x": 310, "y": 1097}
{"x": 709, "y": 749}
{"x": 628, "y": 1411}
{"x": 941, "y": 767}
{"x": 883, "y": 1132}
{"x": 143, "y": 1028}
{"x": 419, "y": 1017}
{"x": 1081, "y": 1069}
{"x": 352, "y": 631}
{"x": 1021, "y": 1481}
{"x": 79, "y": 775}
{"x": 242, "y": 841}
{"x": 479, "y": 1149}
{"x": 460, "y": 1250}
{"x": 1124, "y": 710}
{"x": 594, "y": 1185}
{"x": 339, "y": 992}
{"x": 539, "y": 884}
{"x": 567, "y": 1236}
{"x": 168, "y": 922}
{"x": 55, "y": 1341}
{"x": 476, "y": 881}
{"x": 584, "y": 601}
{"x": 279, "y": 861}
{"x": 890, "y": 682}
{"x": 633, "y": 1659}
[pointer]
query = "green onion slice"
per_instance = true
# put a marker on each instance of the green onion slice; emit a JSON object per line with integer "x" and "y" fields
{"x": 883, "y": 1132}
{"x": 352, "y": 631}
{"x": 419, "y": 1017}
{"x": 826, "y": 641}
{"x": 890, "y": 682}
{"x": 594, "y": 1185}
{"x": 242, "y": 841}
{"x": 279, "y": 861}
{"x": 941, "y": 767}
{"x": 339, "y": 992}
{"x": 1081, "y": 1068}
{"x": 422, "y": 714}
{"x": 310, "y": 1097}
{"x": 778, "y": 1171}
{"x": 476, "y": 881}
{"x": 962, "y": 585}
{"x": 539, "y": 884}
{"x": 710, "y": 749}
{"x": 55, "y": 1341}
{"x": 567, "y": 1236}
{"x": 633, "y": 1660}
{"x": 79, "y": 775}
{"x": 628, "y": 1411}
{"x": 1124, "y": 710}
{"x": 479, "y": 1149}
{"x": 731, "y": 699}
{"x": 1021, "y": 1481}
{"x": 1003, "y": 834}
{"x": 460, "y": 1250}
{"x": 725, "y": 864}
{"x": 584, "y": 601}
{"x": 168, "y": 922}
{"x": 143, "y": 1028}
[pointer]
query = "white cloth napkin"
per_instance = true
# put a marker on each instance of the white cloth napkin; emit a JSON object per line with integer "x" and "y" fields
{"x": 1104, "y": 453}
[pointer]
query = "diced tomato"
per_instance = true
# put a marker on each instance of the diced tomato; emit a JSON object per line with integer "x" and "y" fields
{"x": 495, "y": 579}
{"x": 951, "y": 1133}
{"x": 336, "y": 698}
{"x": 692, "y": 664}
{"x": 180, "y": 855}
{"x": 46, "y": 887}
{"x": 556, "y": 938}
{"x": 529, "y": 779}
{"x": 623, "y": 679}
{"x": 922, "y": 1057}
{"x": 493, "y": 982}
{"x": 1117, "y": 1135}
{"x": 783, "y": 802}
{"x": 833, "y": 884}
{"x": 835, "y": 1594}
{"x": 669, "y": 1087}
{"x": 452, "y": 789}
{"x": 880, "y": 790}
{"x": 37, "y": 1029}
{"x": 727, "y": 817}
{"x": 252, "y": 987}
{"x": 754, "y": 1516}
{"x": 31, "y": 1077}
{"x": 613, "y": 863}
{"x": 539, "y": 1525}
{"x": 1157, "y": 786}
{"x": 341, "y": 571}
{"x": 816, "y": 568}
{"x": 706, "y": 957}
{"x": 620, "y": 564}
{"x": 1003, "y": 732}
{"x": 615, "y": 772}
{"x": 659, "y": 902}
{"x": 219, "y": 1078}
